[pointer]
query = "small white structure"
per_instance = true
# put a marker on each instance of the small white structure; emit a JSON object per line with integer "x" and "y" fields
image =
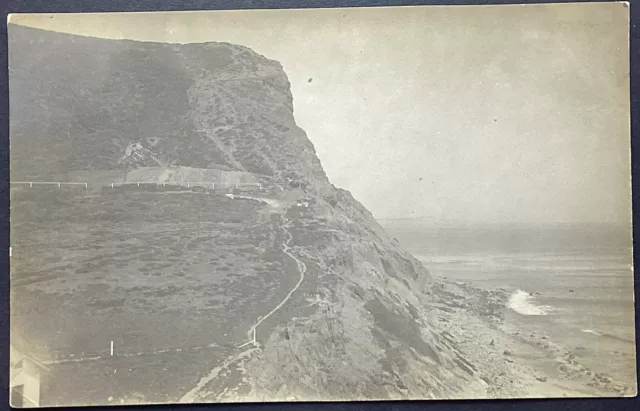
{"x": 26, "y": 379}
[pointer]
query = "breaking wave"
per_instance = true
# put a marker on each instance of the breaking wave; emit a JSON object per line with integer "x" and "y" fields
{"x": 522, "y": 303}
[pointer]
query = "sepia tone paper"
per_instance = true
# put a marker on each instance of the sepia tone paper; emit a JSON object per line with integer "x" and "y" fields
{"x": 321, "y": 204}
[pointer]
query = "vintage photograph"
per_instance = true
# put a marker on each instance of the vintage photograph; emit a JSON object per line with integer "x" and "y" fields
{"x": 321, "y": 205}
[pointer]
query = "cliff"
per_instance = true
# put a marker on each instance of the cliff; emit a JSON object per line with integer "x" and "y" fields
{"x": 355, "y": 319}
{"x": 197, "y": 105}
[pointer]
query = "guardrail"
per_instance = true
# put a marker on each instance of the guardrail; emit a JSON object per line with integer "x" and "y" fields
{"x": 58, "y": 183}
{"x": 114, "y": 184}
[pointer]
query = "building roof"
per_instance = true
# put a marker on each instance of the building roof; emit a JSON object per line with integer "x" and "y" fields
{"x": 22, "y": 357}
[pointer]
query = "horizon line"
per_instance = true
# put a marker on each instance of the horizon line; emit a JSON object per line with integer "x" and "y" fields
{"x": 467, "y": 222}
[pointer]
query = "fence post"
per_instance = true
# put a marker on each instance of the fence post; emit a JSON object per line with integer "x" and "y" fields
{"x": 58, "y": 184}
{"x": 213, "y": 186}
{"x": 111, "y": 184}
{"x": 188, "y": 184}
{"x": 138, "y": 184}
{"x": 30, "y": 185}
{"x": 86, "y": 186}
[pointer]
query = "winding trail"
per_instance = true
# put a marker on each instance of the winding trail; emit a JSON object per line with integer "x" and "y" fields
{"x": 194, "y": 393}
{"x": 271, "y": 202}
{"x": 302, "y": 268}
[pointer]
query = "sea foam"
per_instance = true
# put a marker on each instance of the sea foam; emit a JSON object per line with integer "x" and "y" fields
{"x": 522, "y": 303}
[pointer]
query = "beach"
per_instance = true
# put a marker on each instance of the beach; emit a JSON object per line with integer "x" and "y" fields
{"x": 553, "y": 307}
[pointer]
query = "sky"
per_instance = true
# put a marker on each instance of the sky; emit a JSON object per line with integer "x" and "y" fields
{"x": 475, "y": 114}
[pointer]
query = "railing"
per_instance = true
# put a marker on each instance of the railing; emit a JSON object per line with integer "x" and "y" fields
{"x": 57, "y": 183}
{"x": 114, "y": 184}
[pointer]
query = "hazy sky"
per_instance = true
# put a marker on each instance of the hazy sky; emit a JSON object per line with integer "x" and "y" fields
{"x": 478, "y": 114}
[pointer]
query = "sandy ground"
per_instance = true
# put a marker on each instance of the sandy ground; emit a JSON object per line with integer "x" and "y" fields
{"x": 510, "y": 360}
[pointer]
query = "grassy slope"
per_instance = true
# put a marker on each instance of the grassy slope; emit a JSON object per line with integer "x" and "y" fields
{"x": 148, "y": 270}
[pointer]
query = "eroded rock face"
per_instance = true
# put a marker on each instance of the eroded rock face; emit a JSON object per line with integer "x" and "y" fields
{"x": 359, "y": 326}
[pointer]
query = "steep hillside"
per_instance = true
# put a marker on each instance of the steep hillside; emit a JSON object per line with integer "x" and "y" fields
{"x": 77, "y": 103}
{"x": 184, "y": 277}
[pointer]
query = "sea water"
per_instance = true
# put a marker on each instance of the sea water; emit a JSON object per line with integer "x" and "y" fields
{"x": 571, "y": 283}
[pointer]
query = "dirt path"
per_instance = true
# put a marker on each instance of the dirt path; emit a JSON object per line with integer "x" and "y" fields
{"x": 302, "y": 268}
{"x": 196, "y": 392}
{"x": 271, "y": 202}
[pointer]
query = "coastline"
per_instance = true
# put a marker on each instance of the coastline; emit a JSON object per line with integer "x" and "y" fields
{"x": 510, "y": 359}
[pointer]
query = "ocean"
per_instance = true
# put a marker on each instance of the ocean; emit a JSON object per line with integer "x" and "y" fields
{"x": 573, "y": 283}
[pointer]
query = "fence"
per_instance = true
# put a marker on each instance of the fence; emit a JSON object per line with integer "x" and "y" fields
{"x": 55, "y": 183}
{"x": 207, "y": 184}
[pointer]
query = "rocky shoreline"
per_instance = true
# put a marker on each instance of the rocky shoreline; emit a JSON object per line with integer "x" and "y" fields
{"x": 509, "y": 360}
